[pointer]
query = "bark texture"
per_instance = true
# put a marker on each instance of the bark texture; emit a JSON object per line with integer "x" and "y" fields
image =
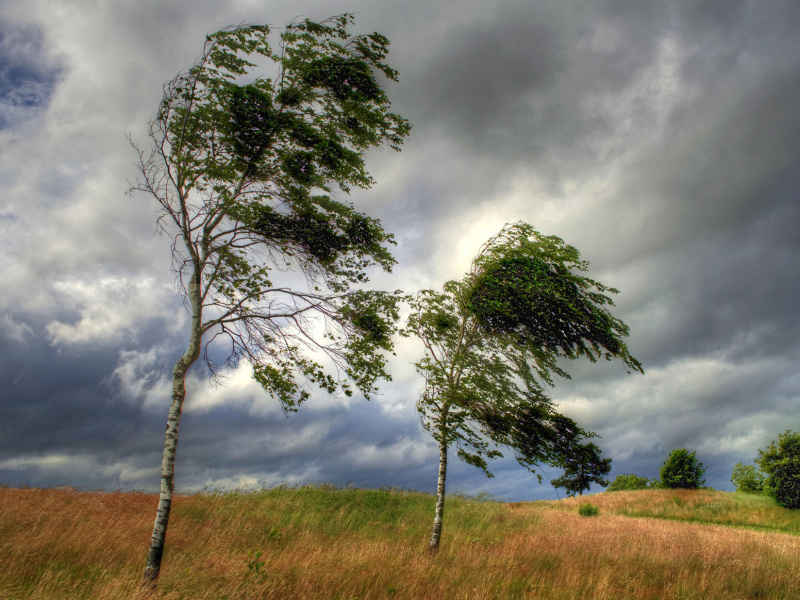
{"x": 433, "y": 547}
{"x": 153, "y": 566}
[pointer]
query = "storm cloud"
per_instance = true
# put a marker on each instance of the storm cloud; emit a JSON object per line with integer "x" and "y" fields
{"x": 659, "y": 138}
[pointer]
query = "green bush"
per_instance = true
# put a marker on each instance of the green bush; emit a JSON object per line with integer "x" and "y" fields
{"x": 588, "y": 510}
{"x": 747, "y": 479}
{"x": 781, "y": 463}
{"x": 628, "y": 482}
{"x": 682, "y": 470}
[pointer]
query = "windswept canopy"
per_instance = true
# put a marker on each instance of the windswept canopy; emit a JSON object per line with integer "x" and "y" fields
{"x": 248, "y": 169}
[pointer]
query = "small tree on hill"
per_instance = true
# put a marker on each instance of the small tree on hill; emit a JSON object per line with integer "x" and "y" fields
{"x": 747, "y": 479}
{"x": 781, "y": 462}
{"x": 244, "y": 169}
{"x": 582, "y": 468}
{"x": 628, "y": 482}
{"x": 682, "y": 470}
{"x": 492, "y": 339}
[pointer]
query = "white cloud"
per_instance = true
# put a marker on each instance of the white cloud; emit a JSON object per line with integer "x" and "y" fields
{"x": 141, "y": 375}
{"x": 711, "y": 403}
{"x": 49, "y": 462}
{"x": 253, "y": 482}
{"x": 17, "y": 331}
{"x": 110, "y": 309}
{"x": 237, "y": 390}
{"x": 82, "y": 465}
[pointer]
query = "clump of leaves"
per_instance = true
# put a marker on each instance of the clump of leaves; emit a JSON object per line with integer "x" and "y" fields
{"x": 781, "y": 462}
{"x": 747, "y": 479}
{"x": 628, "y": 482}
{"x": 524, "y": 285}
{"x": 253, "y": 564}
{"x": 682, "y": 470}
{"x": 588, "y": 510}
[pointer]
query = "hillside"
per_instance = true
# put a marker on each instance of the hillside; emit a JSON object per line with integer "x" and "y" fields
{"x": 323, "y": 543}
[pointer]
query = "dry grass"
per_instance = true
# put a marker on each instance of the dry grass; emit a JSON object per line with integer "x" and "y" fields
{"x": 322, "y": 544}
{"x": 704, "y": 506}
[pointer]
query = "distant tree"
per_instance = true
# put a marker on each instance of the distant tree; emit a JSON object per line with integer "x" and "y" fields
{"x": 628, "y": 482}
{"x": 781, "y": 463}
{"x": 747, "y": 479}
{"x": 582, "y": 468}
{"x": 492, "y": 340}
{"x": 682, "y": 470}
{"x": 244, "y": 169}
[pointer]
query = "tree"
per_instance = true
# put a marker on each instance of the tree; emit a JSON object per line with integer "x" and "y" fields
{"x": 747, "y": 479}
{"x": 493, "y": 339}
{"x": 629, "y": 482}
{"x": 582, "y": 468}
{"x": 781, "y": 463}
{"x": 262, "y": 258}
{"x": 682, "y": 470}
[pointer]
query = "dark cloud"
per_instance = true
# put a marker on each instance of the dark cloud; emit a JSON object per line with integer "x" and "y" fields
{"x": 658, "y": 138}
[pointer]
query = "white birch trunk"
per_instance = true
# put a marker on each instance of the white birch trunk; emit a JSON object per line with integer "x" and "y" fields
{"x": 433, "y": 547}
{"x": 153, "y": 567}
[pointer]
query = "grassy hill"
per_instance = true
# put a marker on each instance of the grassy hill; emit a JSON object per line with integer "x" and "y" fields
{"x": 323, "y": 543}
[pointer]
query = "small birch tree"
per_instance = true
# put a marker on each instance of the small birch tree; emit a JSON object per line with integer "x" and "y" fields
{"x": 493, "y": 339}
{"x": 245, "y": 169}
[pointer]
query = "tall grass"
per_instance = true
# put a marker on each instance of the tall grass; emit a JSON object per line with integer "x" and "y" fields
{"x": 754, "y": 511}
{"x": 323, "y": 543}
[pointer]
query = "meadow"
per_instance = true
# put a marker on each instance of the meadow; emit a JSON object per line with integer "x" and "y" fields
{"x": 326, "y": 543}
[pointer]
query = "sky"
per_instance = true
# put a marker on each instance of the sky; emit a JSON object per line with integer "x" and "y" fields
{"x": 657, "y": 137}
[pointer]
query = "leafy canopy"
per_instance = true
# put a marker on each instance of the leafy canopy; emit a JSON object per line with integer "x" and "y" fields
{"x": 628, "y": 482}
{"x": 247, "y": 168}
{"x": 747, "y": 479}
{"x": 524, "y": 285}
{"x": 583, "y": 467}
{"x": 781, "y": 463}
{"x": 682, "y": 470}
{"x": 493, "y": 340}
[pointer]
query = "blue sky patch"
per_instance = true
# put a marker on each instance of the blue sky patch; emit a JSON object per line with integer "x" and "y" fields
{"x": 28, "y": 74}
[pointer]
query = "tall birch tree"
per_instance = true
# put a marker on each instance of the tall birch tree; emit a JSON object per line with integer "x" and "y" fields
{"x": 245, "y": 169}
{"x": 492, "y": 342}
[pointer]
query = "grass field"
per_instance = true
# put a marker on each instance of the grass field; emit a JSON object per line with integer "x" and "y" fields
{"x": 321, "y": 543}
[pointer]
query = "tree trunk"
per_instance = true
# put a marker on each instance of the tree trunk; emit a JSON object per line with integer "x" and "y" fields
{"x": 153, "y": 566}
{"x": 433, "y": 547}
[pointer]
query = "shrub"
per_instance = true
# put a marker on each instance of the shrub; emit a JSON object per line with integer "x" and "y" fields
{"x": 682, "y": 470}
{"x": 588, "y": 510}
{"x": 781, "y": 463}
{"x": 747, "y": 479}
{"x": 628, "y": 482}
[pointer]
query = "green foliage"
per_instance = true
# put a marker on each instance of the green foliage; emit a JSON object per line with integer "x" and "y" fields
{"x": 253, "y": 564}
{"x": 245, "y": 165}
{"x": 588, "y": 510}
{"x": 583, "y": 467}
{"x": 484, "y": 378}
{"x": 781, "y": 463}
{"x": 523, "y": 285}
{"x": 682, "y": 470}
{"x": 628, "y": 482}
{"x": 747, "y": 479}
